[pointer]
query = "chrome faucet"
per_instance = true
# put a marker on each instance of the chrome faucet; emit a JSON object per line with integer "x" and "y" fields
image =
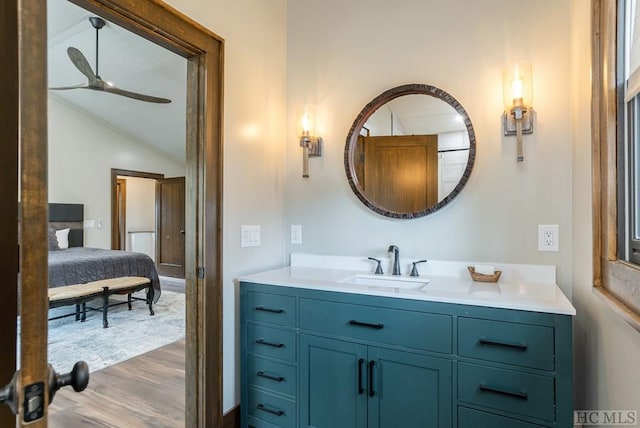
{"x": 396, "y": 259}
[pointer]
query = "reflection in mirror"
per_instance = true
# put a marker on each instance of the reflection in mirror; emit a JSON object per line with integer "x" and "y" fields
{"x": 410, "y": 151}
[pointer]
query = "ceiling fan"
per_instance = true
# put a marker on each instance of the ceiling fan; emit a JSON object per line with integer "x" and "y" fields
{"x": 95, "y": 82}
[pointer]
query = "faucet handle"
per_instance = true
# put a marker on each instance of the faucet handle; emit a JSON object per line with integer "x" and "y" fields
{"x": 414, "y": 269}
{"x": 379, "y": 267}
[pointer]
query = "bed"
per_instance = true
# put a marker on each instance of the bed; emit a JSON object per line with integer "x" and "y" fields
{"x": 79, "y": 265}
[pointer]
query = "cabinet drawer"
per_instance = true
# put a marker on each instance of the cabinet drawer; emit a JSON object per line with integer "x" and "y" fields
{"x": 271, "y": 375}
{"x": 271, "y": 409}
{"x": 271, "y": 308}
{"x": 430, "y": 332}
{"x": 271, "y": 341}
{"x": 469, "y": 418}
{"x": 508, "y": 390}
{"x": 518, "y": 344}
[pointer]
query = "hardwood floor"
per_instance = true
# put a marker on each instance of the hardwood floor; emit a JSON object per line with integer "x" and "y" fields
{"x": 146, "y": 391}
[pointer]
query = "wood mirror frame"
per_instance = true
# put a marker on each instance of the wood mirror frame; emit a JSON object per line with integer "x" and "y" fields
{"x": 365, "y": 114}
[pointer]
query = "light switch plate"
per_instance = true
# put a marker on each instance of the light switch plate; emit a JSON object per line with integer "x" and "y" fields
{"x": 250, "y": 235}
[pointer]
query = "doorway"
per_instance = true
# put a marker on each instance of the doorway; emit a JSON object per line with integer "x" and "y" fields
{"x": 203, "y": 49}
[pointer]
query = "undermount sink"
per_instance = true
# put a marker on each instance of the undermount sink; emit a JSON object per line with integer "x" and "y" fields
{"x": 404, "y": 282}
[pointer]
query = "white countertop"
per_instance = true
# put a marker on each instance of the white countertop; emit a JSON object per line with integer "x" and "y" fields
{"x": 521, "y": 287}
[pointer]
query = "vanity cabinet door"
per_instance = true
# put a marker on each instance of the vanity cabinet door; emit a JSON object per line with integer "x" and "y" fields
{"x": 345, "y": 384}
{"x": 409, "y": 390}
{"x": 333, "y": 383}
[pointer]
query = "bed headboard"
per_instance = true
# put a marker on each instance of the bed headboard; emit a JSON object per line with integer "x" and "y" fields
{"x": 62, "y": 216}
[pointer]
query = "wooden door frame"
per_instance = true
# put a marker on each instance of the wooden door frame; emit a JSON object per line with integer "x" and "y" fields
{"x": 115, "y": 172}
{"x": 120, "y": 216}
{"x": 166, "y": 27}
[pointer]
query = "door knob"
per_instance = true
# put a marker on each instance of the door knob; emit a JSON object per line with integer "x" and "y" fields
{"x": 78, "y": 378}
{"x": 9, "y": 396}
{"x": 182, "y": 231}
{"x": 34, "y": 404}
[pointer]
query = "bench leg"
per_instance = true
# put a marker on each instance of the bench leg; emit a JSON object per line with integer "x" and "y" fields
{"x": 83, "y": 317}
{"x": 77, "y": 311}
{"x": 129, "y": 300}
{"x": 105, "y": 307}
{"x": 150, "y": 300}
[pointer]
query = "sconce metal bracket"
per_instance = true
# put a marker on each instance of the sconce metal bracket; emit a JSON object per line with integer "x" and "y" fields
{"x": 314, "y": 144}
{"x": 509, "y": 122}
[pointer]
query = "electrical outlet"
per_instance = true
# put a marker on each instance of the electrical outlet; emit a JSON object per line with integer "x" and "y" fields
{"x": 296, "y": 234}
{"x": 548, "y": 237}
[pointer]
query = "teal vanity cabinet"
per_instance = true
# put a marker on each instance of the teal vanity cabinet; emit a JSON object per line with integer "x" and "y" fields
{"x": 314, "y": 358}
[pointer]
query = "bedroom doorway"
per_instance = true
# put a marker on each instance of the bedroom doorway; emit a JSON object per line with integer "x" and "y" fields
{"x": 156, "y": 22}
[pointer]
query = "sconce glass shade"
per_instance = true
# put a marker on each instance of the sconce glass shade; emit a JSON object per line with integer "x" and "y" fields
{"x": 517, "y": 85}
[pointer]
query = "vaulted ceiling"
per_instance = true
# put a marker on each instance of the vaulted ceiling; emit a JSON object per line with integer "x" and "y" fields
{"x": 129, "y": 62}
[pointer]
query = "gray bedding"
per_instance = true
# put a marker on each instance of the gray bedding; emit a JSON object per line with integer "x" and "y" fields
{"x": 79, "y": 265}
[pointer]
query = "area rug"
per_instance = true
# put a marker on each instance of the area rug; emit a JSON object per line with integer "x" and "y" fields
{"x": 130, "y": 333}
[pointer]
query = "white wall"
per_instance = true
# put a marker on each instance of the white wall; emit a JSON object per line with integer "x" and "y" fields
{"x": 364, "y": 48}
{"x": 82, "y": 152}
{"x": 254, "y": 135}
{"x": 606, "y": 347}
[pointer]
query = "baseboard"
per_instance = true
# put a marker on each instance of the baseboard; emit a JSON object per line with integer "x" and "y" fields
{"x": 231, "y": 419}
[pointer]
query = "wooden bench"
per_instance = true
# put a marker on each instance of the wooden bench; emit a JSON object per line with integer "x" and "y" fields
{"x": 80, "y": 294}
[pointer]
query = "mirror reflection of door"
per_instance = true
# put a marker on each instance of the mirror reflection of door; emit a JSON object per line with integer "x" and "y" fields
{"x": 399, "y": 172}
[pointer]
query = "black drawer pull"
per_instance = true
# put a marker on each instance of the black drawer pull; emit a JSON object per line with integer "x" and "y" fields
{"x": 360, "y": 387}
{"x": 270, "y": 377}
{"x": 268, "y": 410}
{"x": 520, "y": 346}
{"x": 378, "y": 326}
{"x": 264, "y": 342}
{"x": 371, "y": 391}
{"x": 503, "y": 391}
{"x": 273, "y": 311}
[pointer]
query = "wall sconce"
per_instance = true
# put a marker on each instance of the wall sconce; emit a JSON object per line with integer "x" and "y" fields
{"x": 311, "y": 146}
{"x": 517, "y": 91}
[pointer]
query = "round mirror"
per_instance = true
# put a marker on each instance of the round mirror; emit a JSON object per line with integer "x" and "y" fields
{"x": 410, "y": 151}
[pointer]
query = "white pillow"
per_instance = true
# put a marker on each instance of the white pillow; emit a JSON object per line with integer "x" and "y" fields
{"x": 63, "y": 238}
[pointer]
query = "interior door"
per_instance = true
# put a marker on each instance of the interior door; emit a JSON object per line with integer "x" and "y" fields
{"x": 170, "y": 216}
{"x": 401, "y": 172}
{"x": 23, "y": 125}
{"x": 8, "y": 197}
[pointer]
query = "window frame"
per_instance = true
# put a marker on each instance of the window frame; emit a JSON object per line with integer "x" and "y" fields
{"x": 616, "y": 281}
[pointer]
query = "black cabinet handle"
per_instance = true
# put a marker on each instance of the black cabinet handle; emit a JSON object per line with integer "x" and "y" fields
{"x": 274, "y": 311}
{"x": 268, "y": 410}
{"x": 360, "y": 387}
{"x": 270, "y": 377}
{"x": 503, "y": 391}
{"x": 367, "y": 324}
{"x": 371, "y": 391}
{"x": 520, "y": 346}
{"x": 264, "y": 342}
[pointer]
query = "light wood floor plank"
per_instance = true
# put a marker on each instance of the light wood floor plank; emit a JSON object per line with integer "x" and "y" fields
{"x": 146, "y": 391}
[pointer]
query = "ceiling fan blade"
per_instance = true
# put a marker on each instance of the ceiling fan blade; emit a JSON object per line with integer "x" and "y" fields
{"x": 135, "y": 95}
{"x": 64, "y": 88}
{"x": 81, "y": 63}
